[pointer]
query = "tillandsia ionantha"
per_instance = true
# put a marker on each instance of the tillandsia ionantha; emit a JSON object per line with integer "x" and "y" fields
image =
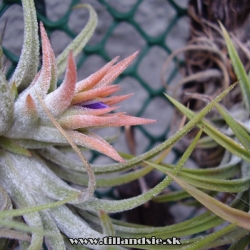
{"x": 77, "y": 106}
{"x": 37, "y": 116}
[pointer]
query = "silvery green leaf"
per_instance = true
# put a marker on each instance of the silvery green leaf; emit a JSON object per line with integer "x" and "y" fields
{"x": 21, "y": 196}
{"x": 80, "y": 41}
{"x": 6, "y": 105}
{"x": 28, "y": 63}
{"x": 54, "y": 242}
{"x": 238, "y": 68}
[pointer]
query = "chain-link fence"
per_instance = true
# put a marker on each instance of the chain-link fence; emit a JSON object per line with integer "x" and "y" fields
{"x": 155, "y": 27}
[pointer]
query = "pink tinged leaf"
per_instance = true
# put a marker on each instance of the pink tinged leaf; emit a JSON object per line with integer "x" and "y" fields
{"x": 85, "y": 121}
{"x": 119, "y": 114}
{"x": 109, "y": 91}
{"x": 43, "y": 81}
{"x": 114, "y": 99}
{"x": 35, "y": 79}
{"x": 94, "y": 93}
{"x": 28, "y": 114}
{"x": 59, "y": 100}
{"x": 53, "y": 82}
{"x": 93, "y": 79}
{"x": 100, "y": 111}
{"x": 78, "y": 110}
{"x": 116, "y": 70}
{"x": 30, "y": 105}
{"x": 126, "y": 120}
{"x": 95, "y": 142}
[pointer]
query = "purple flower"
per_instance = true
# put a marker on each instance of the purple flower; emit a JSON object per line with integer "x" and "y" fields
{"x": 94, "y": 105}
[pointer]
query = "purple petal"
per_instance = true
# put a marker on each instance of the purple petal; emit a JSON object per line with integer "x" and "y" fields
{"x": 94, "y": 105}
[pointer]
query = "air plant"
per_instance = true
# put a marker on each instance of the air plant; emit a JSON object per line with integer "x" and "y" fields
{"x": 39, "y": 122}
